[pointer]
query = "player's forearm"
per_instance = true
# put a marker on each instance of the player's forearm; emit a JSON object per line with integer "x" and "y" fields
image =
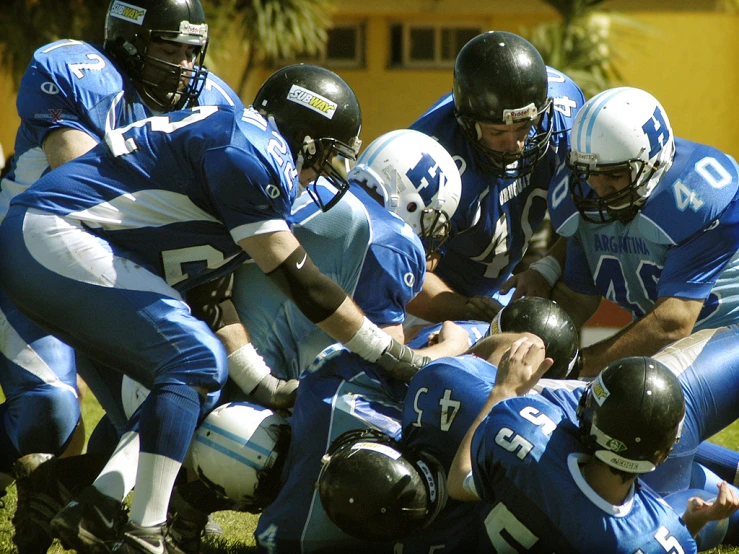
{"x": 462, "y": 462}
{"x": 437, "y": 302}
{"x": 666, "y": 323}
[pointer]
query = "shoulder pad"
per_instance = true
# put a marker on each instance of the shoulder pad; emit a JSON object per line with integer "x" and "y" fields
{"x": 697, "y": 189}
{"x": 78, "y": 67}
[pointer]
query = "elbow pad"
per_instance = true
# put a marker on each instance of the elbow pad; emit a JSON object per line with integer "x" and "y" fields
{"x": 316, "y": 295}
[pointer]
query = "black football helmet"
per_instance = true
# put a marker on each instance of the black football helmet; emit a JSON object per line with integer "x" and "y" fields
{"x": 501, "y": 79}
{"x": 318, "y": 114}
{"x": 377, "y": 489}
{"x": 131, "y": 27}
{"x": 631, "y": 415}
{"x": 547, "y": 320}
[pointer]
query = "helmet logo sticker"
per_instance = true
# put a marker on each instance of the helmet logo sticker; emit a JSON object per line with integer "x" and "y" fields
{"x": 127, "y": 12}
{"x": 381, "y": 448}
{"x": 187, "y": 28}
{"x": 312, "y": 101}
{"x": 520, "y": 114}
{"x": 599, "y": 391}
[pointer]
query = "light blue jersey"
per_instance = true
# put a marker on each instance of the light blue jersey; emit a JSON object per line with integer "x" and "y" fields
{"x": 339, "y": 392}
{"x": 683, "y": 243}
{"x": 367, "y": 250}
{"x": 496, "y": 217}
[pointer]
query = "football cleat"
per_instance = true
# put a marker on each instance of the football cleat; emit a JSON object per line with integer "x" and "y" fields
{"x": 90, "y": 523}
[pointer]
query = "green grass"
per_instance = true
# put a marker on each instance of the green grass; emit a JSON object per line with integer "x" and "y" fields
{"x": 238, "y": 527}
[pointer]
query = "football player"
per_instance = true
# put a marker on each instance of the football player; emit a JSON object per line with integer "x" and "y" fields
{"x": 107, "y": 241}
{"x": 652, "y": 225}
{"x": 72, "y": 93}
{"x": 505, "y": 124}
{"x": 403, "y": 192}
{"x": 559, "y": 470}
{"x": 328, "y": 405}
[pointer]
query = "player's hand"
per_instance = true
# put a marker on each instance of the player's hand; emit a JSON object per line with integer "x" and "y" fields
{"x": 527, "y": 283}
{"x": 275, "y": 393}
{"x": 482, "y": 308}
{"x": 451, "y": 333}
{"x": 725, "y": 504}
{"x": 522, "y": 365}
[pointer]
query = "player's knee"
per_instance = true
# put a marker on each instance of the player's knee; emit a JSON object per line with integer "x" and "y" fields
{"x": 47, "y": 420}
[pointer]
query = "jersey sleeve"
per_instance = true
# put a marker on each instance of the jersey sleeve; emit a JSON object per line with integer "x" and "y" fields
{"x": 515, "y": 433}
{"x": 692, "y": 268}
{"x": 244, "y": 194}
{"x": 65, "y": 86}
{"x": 389, "y": 280}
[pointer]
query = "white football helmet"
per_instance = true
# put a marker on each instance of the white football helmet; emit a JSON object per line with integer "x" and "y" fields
{"x": 621, "y": 129}
{"x": 238, "y": 451}
{"x": 417, "y": 180}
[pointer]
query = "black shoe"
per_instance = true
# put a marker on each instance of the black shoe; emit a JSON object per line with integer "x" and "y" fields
{"x": 188, "y": 524}
{"x": 89, "y": 524}
{"x": 146, "y": 540}
{"x": 40, "y": 497}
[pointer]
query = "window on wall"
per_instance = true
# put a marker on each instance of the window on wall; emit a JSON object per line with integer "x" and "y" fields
{"x": 434, "y": 45}
{"x": 345, "y": 48}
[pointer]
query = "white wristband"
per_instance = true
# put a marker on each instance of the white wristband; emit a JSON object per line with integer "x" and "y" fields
{"x": 549, "y": 268}
{"x": 369, "y": 341}
{"x": 247, "y": 368}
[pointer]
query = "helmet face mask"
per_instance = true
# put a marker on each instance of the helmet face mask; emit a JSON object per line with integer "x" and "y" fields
{"x": 621, "y": 130}
{"x": 512, "y": 164}
{"x": 320, "y": 161}
{"x": 631, "y": 415}
{"x": 133, "y": 31}
{"x": 318, "y": 115}
{"x": 377, "y": 489}
{"x": 501, "y": 79}
{"x": 622, "y": 205}
{"x": 416, "y": 179}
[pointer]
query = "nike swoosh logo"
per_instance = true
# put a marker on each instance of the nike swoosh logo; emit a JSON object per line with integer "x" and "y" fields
{"x": 300, "y": 264}
{"x": 146, "y": 546}
{"x": 109, "y": 523}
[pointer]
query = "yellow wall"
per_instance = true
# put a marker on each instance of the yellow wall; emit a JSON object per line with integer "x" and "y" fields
{"x": 687, "y": 62}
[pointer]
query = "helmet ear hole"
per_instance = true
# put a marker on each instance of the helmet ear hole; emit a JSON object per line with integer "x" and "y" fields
{"x": 420, "y": 180}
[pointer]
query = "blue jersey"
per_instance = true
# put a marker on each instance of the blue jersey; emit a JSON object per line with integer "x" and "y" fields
{"x": 368, "y": 251}
{"x": 496, "y": 217}
{"x": 683, "y": 243}
{"x": 526, "y": 459}
{"x": 177, "y": 191}
{"x": 442, "y": 401}
{"x": 71, "y": 84}
{"x": 475, "y": 330}
{"x": 338, "y": 392}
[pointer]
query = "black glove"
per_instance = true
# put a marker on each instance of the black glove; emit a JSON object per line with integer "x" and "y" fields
{"x": 401, "y": 362}
{"x": 275, "y": 393}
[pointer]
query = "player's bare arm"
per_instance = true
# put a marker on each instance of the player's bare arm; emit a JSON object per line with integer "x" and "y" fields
{"x": 669, "y": 320}
{"x": 62, "y": 145}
